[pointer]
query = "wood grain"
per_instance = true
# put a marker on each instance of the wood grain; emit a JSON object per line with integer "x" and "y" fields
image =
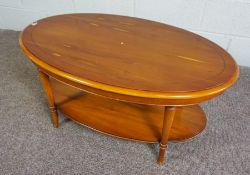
{"x": 137, "y": 62}
{"x": 130, "y": 56}
{"x": 126, "y": 120}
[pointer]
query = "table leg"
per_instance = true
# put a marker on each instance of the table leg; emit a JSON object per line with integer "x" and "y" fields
{"x": 48, "y": 90}
{"x": 169, "y": 113}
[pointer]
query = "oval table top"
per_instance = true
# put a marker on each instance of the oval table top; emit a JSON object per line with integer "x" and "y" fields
{"x": 129, "y": 56}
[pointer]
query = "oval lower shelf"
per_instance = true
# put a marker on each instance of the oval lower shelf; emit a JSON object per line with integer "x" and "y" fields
{"x": 126, "y": 120}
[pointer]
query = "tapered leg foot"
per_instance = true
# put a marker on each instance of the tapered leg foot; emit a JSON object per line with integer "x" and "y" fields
{"x": 167, "y": 124}
{"x": 161, "y": 154}
{"x": 55, "y": 119}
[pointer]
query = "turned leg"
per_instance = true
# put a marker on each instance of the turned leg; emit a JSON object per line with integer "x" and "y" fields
{"x": 48, "y": 90}
{"x": 169, "y": 113}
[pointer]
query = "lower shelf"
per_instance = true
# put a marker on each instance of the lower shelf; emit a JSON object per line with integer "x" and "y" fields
{"x": 126, "y": 120}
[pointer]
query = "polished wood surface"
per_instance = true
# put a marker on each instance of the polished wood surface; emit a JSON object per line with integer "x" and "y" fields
{"x": 130, "y": 56}
{"x": 126, "y": 120}
{"x": 128, "y": 77}
{"x": 48, "y": 90}
{"x": 169, "y": 114}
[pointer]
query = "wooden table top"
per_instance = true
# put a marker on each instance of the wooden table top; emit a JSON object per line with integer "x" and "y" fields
{"x": 128, "y": 55}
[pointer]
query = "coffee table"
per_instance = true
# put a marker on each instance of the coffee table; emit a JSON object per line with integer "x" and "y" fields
{"x": 128, "y": 77}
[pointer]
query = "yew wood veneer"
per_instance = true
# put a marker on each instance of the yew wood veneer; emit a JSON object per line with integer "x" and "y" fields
{"x": 128, "y": 77}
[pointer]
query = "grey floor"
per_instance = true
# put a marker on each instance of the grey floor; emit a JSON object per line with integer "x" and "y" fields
{"x": 30, "y": 145}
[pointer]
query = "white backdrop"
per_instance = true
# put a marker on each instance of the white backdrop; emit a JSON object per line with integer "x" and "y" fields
{"x": 226, "y": 22}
